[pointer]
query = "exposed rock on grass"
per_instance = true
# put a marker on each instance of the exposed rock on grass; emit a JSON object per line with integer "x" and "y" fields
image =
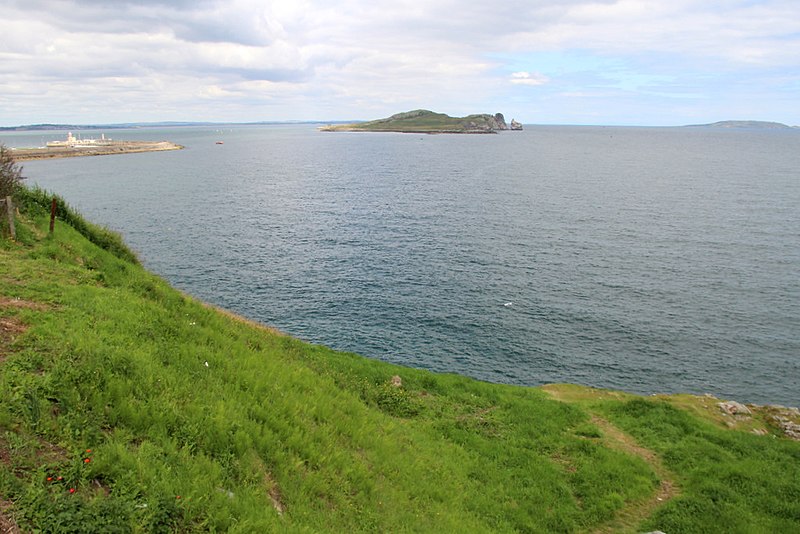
{"x": 733, "y": 408}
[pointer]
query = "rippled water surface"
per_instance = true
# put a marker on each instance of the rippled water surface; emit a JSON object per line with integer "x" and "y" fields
{"x": 646, "y": 259}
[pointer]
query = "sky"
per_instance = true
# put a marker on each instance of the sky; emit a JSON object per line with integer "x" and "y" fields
{"x": 607, "y": 62}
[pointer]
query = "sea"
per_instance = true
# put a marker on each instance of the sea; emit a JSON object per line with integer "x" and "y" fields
{"x": 651, "y": 260}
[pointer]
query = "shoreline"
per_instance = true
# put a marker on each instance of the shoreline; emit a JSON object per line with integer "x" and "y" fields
{"x": 124, "y": 147}
{"x": 750, "y": 417}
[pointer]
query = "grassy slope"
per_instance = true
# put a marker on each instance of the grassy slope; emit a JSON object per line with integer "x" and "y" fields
{"x": 274, "y": 434}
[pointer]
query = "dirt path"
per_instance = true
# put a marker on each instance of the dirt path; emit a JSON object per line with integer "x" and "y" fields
{"x": 633, "y": 514}
{"x": 629, "y": 517}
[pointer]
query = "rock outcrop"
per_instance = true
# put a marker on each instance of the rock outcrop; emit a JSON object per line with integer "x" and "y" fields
{"x": 786, "y": 420}
{"x": 485, "y": 123}
{"x": 500, "y": 122}
{"x": 515, "y": 125}
{"x": 789, "y": 427}
{"x": 733, "y": 408}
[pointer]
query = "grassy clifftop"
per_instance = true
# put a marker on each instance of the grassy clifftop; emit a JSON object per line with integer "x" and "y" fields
{"x": 126, "y": 406}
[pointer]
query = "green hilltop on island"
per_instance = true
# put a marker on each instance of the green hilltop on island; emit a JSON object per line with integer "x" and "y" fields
{"x": 429, "y": 122}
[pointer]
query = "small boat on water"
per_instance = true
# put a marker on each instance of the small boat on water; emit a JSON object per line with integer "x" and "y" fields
{"x": 220, "y": 142}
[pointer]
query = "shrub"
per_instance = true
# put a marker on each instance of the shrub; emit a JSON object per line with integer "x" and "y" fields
{"x": 10, "y": 173}
{"x": 395, "y": 400}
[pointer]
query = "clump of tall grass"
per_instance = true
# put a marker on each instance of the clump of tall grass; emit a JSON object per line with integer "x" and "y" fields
{"x": 36, "y": 199}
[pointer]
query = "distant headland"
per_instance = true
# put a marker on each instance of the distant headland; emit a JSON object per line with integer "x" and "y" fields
{"x": 761, "y": 125}
{"x": 429, "y": 122}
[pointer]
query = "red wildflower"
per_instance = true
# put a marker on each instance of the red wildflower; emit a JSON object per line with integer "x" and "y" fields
{"x": 49, "y": 479}
{"x": 60, "y": 478}
{"x": 89, "y": 451}
{"x": 72, "y": 490}
{"x": 87, "y": 460}
{"x": 177, "y": 496}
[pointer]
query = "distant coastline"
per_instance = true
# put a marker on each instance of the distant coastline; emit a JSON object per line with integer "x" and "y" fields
{"x": 759, "y": 125}
{"x": 142, "y": 125}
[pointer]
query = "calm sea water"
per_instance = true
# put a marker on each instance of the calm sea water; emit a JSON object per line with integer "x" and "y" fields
{"x": 645, "y": 259}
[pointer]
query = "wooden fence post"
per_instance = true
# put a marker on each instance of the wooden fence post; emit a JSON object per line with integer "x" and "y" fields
{"x": 52, "y": 216}
{"x": 10, "y": 212}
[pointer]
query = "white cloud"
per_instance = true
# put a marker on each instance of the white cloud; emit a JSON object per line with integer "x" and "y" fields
{"x": 360, "y": 58}
{"x": 526, "y": 78}
{"x": 735, "y": 31}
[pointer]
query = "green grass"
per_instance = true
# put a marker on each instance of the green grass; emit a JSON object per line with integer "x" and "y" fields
{"x": 733, "y": 481}
{"x": 198, "y": 421}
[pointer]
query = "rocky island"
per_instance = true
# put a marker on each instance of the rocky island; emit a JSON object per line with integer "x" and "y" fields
{"x": 429, "y": 122}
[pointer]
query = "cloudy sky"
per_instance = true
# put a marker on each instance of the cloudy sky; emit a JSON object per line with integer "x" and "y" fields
{"x": 637, "y": 62}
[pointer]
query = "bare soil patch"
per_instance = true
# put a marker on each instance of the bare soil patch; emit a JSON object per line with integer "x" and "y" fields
{"x": 7, "y": 525}
{"x": 9, "y": 302}
{"x": 10, "y": 329}
{"x": 274, "y": 494}
{"x": 5, "y": 455}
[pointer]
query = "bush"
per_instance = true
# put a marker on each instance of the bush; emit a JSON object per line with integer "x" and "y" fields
{"x": 395, "y": 400}
{"x": 10, "y": 173}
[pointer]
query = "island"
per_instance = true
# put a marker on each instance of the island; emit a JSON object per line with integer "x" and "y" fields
{"x": 429, "y": 122}
{"x": 760, "y": 125}
{"x": 73, "y": 147}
